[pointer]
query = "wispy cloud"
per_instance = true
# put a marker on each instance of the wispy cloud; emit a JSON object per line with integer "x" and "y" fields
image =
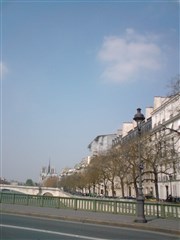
{"x": 3, "y": 69}
{"x": 126, "y": 57}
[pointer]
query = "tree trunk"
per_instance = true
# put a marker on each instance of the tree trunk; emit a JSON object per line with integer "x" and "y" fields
{"x": 136, "y": 188}
{"x": 156, "y": 185}
{"x": 112, "y": 188}
{"x": 122, "y": 186}
{"x": 94, "y": 188}
{"x": 89, "y": 189}
{"x": 105, "y": 190}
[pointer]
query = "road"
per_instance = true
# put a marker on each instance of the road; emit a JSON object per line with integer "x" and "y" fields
{"x": 24, "y": 227}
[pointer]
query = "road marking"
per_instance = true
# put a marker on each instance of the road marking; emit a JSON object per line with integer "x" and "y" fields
{"x": 51, "y": 232}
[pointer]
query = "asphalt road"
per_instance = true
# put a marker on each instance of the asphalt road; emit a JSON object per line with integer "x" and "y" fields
{"x": 23, "y": 227}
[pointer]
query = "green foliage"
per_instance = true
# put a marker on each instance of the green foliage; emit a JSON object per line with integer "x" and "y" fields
{"x": 29, "y": 182}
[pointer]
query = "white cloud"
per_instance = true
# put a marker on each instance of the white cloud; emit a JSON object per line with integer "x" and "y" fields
{"x": 3, "y": 69}
{"x": 129, "y": 56}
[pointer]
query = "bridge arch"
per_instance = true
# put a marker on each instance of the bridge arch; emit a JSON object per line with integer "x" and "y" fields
{"x": 10, "y": 190}
{"x": 48, "y": 194}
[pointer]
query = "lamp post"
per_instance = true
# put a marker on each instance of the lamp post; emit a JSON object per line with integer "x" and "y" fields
{"x": 140, "y": 218}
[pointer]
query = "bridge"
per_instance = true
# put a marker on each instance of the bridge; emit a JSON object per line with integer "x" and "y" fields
{"x": 43, "y": 191}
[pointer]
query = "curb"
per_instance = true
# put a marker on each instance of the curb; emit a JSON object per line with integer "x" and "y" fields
{"x": 138, "y": 226}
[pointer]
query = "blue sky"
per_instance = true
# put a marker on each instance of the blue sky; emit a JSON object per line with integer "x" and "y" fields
{"x": 72, "y": 70}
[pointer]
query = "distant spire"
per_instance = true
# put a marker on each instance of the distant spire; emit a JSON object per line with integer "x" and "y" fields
{"x": 49, "y": 166}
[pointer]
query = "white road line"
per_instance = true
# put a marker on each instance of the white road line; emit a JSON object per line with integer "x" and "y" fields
{"x": 51, "y": 232}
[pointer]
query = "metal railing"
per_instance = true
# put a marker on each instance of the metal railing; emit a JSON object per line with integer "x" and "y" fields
{"x": 115, "y": 206}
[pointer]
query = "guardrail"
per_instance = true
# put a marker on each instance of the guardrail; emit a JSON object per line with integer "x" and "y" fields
{"x": 163, "y": 210}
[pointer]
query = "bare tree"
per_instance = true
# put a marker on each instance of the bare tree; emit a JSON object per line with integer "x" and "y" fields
{"x": 121, "y": 164}
{"x": 111, "y": 169}
{"x": 159, "y": 156}
{"x": 51, "y": 182}
{"x": 128, "y": 164}
{"x": 93, "y": 174}
{"x": 174, "y": 86}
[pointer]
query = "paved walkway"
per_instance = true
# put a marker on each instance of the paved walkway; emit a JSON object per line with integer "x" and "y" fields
{"x": 170, "y": 226}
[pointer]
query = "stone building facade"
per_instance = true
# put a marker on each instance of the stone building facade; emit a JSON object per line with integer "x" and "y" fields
{"x": 164, "y": 117}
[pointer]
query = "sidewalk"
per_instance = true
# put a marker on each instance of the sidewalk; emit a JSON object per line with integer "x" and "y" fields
{"x": 170, "y": 226}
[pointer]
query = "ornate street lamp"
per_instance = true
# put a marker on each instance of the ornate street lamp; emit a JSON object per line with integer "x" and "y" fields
{"x": 140, "y": 218}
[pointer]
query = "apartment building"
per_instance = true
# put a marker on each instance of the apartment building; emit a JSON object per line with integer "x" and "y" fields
{"x": 162, "y": 118}
{"x": 101, "y": 143}
{"x": 166, "y": 119}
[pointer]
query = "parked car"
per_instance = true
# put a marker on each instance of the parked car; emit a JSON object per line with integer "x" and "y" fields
{"x": 176, "y": 199}
{"x": 173, "y": 199}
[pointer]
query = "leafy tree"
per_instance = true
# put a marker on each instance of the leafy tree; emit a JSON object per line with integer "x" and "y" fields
{"x": 29, "y": 182}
